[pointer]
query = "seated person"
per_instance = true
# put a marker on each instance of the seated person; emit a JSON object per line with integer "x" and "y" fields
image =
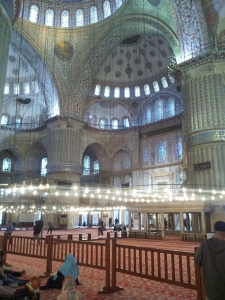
{"x": 6, "y": 292}
{"x": 69, "y": 268}
{"x": 69, "y": 291}
{"x": 9, "y": 279}
{"x": 7, "y": 270}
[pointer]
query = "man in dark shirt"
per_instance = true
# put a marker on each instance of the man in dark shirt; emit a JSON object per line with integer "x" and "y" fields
{"x": 211, "y": 257}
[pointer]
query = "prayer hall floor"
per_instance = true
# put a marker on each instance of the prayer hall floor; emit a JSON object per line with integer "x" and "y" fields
{"x": 93, "y": 280}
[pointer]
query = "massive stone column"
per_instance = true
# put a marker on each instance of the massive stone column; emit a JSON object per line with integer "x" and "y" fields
{"x": 5, "y": 37}
{"x": 203, "y": 85}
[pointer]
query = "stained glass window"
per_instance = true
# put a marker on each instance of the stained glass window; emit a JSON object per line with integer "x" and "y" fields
{"x": 97, "y": 90}
{"x": 159, "y": 109}
{"x": 35, "y": 86}
{"x": 26, "y": 88}
{"x": 148, "y": 115}
{"x": 147, "y": 89}
{"x": 106, "y": 9}
{"x": 44, "y": 163}
{"x": 178, "y": 147}
{"x": 137, "y": 91}
{"x": 156, "y": 86}
{"x": 171, "y": 107}
{"x": 102, "y": 123}
{"x": 79, "y": 17}
{"x": 114, "y": 124}
{"x": 17, "y": 121}
{"x": 93, "y": 15}
{"x": 65, "y": 18}
{"x": 116, "y": 92}
{"x": 49, "y": 17}
{"x": 122, "y": 160}
{"x": 4, "y": 120}
{"x": 126, "y": 122}
{"x": 119, "y": 3}
{"x": 16, "y": 88}
{"x": 117, "y": 182}
{"x": 107, "y": 91}
{"x": 164, "y": 82}
{"x": 6, "y": 90}
{"x": 147, "y": 181}
{"x": 180, "y": 178}
{"x": 96, "y": 167}
{"x": 126, "y": 92}
{"x": 87, "y": 165}
{"x": 33, "y": 17}
{"x": 161, "y": 151}
{"x": 171, "y": 78}
{"x": 128, "y": 179}
{"x": 145, "y": 154}
{"x": 6, "y": 165}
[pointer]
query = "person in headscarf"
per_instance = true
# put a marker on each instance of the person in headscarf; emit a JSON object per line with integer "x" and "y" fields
{"x": 69, "y": 268}
{"x": 69, "y": 291}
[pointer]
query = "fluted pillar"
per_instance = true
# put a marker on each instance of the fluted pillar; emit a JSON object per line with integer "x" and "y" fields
{"x": 203, "y": 83}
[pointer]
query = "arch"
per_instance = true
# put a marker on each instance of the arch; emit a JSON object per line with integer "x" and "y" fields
{"x": 101, "y": 155}
{"x": 124, "y": 149}
{"x": 49, "y": 17}
{"x": 33, "y": 157}
{"x": 111, "y": 37}
{"x": 161, "y": 151}
{"x": 14, "y": 154}
{"x": 33, "y": 13}
{"x": 65, "y": 16}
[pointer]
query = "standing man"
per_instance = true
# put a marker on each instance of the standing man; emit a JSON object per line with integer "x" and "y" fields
{"x": 9, "y": 230}
{"x": 211, "y": 257}
{"x": 100, "y": 227}
{"x": 110, "y": 222}
{"x": 37, "y": 231}
{"x": 50, "y": 226}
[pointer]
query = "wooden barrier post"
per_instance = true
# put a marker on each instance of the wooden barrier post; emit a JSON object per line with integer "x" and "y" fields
{"x": 89, "y": 236}
{"x": 80, "y": 237}
{"x": 114, "y": 287}
{"x": 49, "y": 241}
{"x": 199, "y": 281}
{"x": 70, "y": 237}
{"x": 107, "y": 289}
{"x": 108, "y": 235}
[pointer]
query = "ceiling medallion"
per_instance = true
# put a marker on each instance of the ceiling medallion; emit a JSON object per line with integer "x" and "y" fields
{"x": 63, "y": 50}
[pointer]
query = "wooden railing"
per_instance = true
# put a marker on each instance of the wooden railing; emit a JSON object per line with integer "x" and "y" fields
{"x": 145, "y": 235}
{"x": 75, "y": 236}
{"x": 191, "y": 236}
{"x": 171, "y": 267}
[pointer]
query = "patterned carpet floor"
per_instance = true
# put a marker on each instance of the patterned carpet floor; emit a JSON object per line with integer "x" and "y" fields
{"x": 93, "y": 280}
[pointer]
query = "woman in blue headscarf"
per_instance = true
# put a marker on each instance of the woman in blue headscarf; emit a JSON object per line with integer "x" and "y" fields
{"x": 69, "y": 268}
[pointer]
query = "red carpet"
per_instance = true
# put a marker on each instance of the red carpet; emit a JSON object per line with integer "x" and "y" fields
{"x": 93, "y": 280}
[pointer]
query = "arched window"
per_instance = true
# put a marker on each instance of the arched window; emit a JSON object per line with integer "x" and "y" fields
{"x": 180, "y": 178}
{"x": 79, "y": 17}
{"x": 87, "y": 165}
{"x": 122, "y": 160}
{"x": 35, "y": 86}
{"x": 26, "y": 88}
{"x": 126, "y": 122}
{"x": 65, "y": 18}
{"x": 171, "y": 105}
{"x": 115, "y": 124}
{"x": 33, "y": 17}
{"x": 16, "y": 88}
{"x": 119, "y": 3}
{"x": 148, "y": 115}
{"x": 107, "y": 91}
{"x": 178, "y": 147}
{"x": 145, "y": 154}
{"x": 44, "y": 163}
{"x": 116, "y": 92}
{"x": 156, "y": 86}
{"x": 6, "y": 90}
{"x": 137, "y": 91}
{"x": 93, "y": 14}
{"x": 159, "y": 109}
{"x": 4, "y": 120}
{"x": 17, "y": 121}
{"x": 106, "y": 9}
{"x": 97, "y": 90}
{"x": 164, "y": 82}
{"x": 147, "y": 89}
{"x": 161, "y": 151}
{"x": 49, "y": 17}
{"x": 127, "y": 92}
{"x": 96, "y": 167}
{"x": 103, "y": 123}
{"x": 128, "y": 179}
{"x": 117, "y": 182}
{"x": 171, "y": 78}
{"x": 6, "y": 165}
